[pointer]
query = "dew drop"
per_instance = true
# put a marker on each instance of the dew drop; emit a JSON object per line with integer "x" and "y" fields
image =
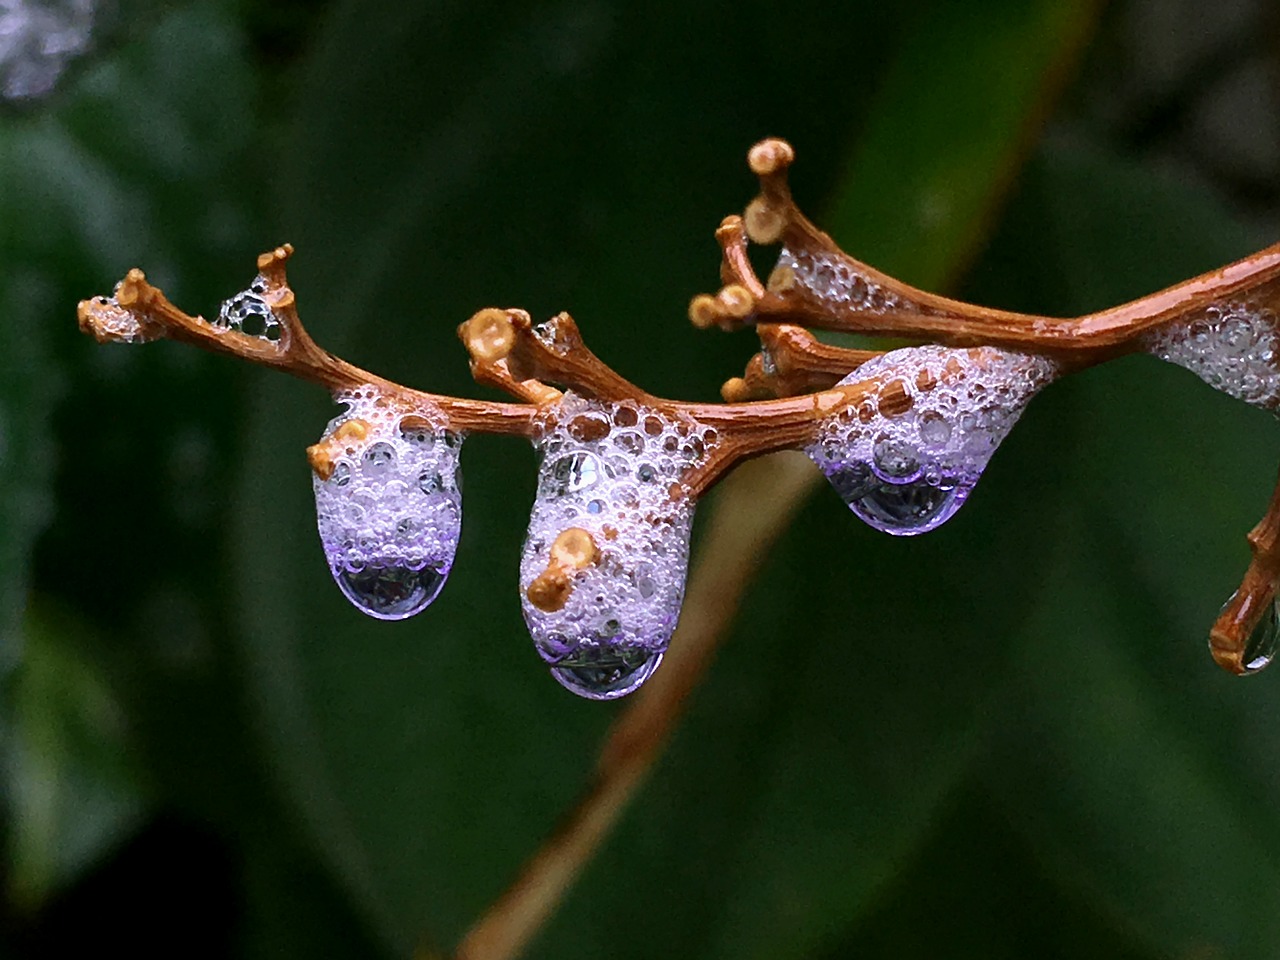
{"x": 606, "y": 671}
{"x": 391, "y": 593}
{"x": 1260, "y": 648}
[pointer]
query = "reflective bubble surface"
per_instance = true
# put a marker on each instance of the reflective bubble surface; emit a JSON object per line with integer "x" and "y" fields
{"x": 391, "y": 593}
{"x": 606, "y": 672}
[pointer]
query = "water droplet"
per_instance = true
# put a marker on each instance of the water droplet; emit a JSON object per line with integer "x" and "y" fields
{"x": 907, "y": 509}
{"x": 391, "y": 593}
{"x": 1260, "y": 648}
{"x": 606, "y": 671}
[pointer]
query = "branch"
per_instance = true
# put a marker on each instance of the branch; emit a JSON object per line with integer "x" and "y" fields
{"x": 1243, "y": 639}
{"x": 261, "y": 325}
{"x": 816, "y": 284}
{"x": 793, "y": 362}
{"x": 1221, "y": 325}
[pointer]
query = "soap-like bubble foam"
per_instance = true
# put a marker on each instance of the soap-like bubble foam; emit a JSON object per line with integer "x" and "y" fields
{"x": 833, "y": 280}
{"x": 1230, "y": 346}
{"x": 906, "y": 459}
{"x": 390, "y": 510}
{"x": 249, "y": 314}
{"x": 616, "y": 472}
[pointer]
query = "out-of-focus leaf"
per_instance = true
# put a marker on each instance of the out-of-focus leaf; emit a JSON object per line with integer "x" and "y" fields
{"x": 28, "y": 388}
{"x": 141, "y": 161}
{"x": 1140, "y": 771}
{"x": 72, "y": 794}
{"x": 976, "y": 893}
{"x": 955, "y": 114}
{"x": 431, "y": 757}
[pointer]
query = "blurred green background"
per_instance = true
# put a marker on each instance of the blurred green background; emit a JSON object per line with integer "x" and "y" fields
{"x": 1003, "y": 740}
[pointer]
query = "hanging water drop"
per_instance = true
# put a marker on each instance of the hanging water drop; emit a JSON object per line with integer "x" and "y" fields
{"x": 606, "y": 672}
{"x": 391, "y": 593}
{"x": 908, "y": 508}
{"x": 1260, "y": 648}
{"x": 909, "y": 472}
{"x": 600, "y": 600}
{"x": 388, "y": 504}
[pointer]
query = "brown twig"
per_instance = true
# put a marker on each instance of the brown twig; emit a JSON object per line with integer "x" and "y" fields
{"x": 1250, "y": 607}
{"x": 793, "y": 362}
{"x": 816, "y": 284}
{"x": 139, "y": 311}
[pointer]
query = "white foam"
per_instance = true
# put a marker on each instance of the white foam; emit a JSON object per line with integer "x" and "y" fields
{"x": 1231, "y": 346}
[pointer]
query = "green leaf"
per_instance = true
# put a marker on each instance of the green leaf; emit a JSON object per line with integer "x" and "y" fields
{"x": 71, "y": 790}
{"x": 28, "y": 388}
{"x": 140, "y": 161}
{"x": 1141, "y": 772}
{"x": 976, "y": 889}
{"x": 579, "y": 157}
{"x": 950, "y": 128}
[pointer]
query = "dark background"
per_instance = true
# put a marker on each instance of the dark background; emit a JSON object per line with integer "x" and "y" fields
{"x": 1006, "y": 739}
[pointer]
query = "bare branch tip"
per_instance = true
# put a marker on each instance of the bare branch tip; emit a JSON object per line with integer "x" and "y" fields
{"x": 770, "y": 156}
{"x": 704, "y": 311}
{"x": 765, "y": 222}
{"x": 735, "y": 301}
{"x": 489, "y": 335}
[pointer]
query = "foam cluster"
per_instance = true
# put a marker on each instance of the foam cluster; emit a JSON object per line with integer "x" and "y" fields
{"x": 614, "y": 473}
{"x": 907, "y": 457}
{"x": 113, "y": 322}
{"x": 388, "y": 502}
{"x": 249, "y": 314}
{"x": 833, "y": 280}
{"x": 1232, "y": 347}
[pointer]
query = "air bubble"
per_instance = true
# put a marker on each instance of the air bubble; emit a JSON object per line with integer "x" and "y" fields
{"x": 249, "y": 314}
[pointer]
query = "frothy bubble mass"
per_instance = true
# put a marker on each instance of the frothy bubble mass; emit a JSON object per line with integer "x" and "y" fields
{"x": 611, "y": 470}
{"x": 906, "y": 459}
{"x": 1231, "y": 346}
{"x": 390, "y": 510}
